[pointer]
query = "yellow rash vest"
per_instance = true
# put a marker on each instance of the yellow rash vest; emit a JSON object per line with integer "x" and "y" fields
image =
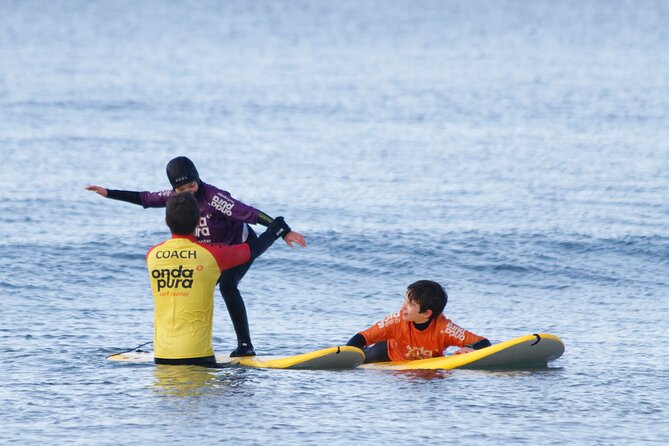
{"x": 183, "y": 276}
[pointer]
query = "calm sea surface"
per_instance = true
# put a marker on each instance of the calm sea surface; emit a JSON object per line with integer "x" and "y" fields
{"x": 517, "y": 152}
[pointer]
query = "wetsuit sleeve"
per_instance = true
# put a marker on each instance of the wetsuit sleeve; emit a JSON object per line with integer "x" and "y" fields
{"x": 124, "y": 195}
{"x": 357, "y": 341}
{"x": 472, "y": 339}
{"x": 155, "y": 199}
{"x": 483, "y": 343}
{"x": 278, "y": 228}
{"x": 144, "y": 199}
{"x": 266, "y": 220}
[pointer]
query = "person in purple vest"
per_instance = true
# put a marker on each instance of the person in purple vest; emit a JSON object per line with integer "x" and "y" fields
{"x": 223, "y": 220}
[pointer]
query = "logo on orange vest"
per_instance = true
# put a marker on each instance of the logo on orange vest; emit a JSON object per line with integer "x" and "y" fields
{"x": 173, "y": 278}
{"x": 389, "y": 320}
{"x": 454, "y": 330}
{"x": 417, "y": 353}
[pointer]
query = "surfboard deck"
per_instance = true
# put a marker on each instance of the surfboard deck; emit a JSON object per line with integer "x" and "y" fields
{"x": 525, "y": 352}
{"x": 332, "y": 358}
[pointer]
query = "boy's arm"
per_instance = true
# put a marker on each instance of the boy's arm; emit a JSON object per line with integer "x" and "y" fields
{"x": 357, "y": 341}
{"x": 125, "y": 195}
{"x": 278, "y": 228}
{"x": 122, "y": 195}
{"x": 483, "y": 343}
{"x": 144, "y": 199}
{"x": 230, "y": 207}
{"x": 381, "y": 331}
{"x": 289, "y": 237}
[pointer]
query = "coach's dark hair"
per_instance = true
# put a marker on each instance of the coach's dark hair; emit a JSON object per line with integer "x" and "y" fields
{"x": 428, "y": 295}
{"x": 182, "y": 214}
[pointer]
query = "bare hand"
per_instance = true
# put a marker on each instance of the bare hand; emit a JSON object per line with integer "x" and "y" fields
{"x": 100, "y": 191}
{"x": 295, "y": 237}
{"x": 463, "y": 350}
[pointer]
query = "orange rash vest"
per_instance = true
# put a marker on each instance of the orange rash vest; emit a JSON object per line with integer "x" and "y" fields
{"x": 406, "y": 342}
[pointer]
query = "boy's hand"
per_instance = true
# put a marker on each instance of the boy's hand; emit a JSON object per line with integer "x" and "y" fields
{"x": 98, "y": 190}
{"x": 463, "y": 350}
{"x": 295, "y": 237}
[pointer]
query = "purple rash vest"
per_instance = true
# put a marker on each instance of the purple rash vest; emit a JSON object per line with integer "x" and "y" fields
{"x": 222, "y": 218}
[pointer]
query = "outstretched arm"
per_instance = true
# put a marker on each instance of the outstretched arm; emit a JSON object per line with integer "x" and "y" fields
{"x": 276, "y": 229}
{"x": 122, "y": 195}
{"x": 289, "y": 237}
{"x": 233, "y": 255}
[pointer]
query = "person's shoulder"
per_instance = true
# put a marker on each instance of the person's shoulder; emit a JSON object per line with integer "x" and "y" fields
{"x": 390, "y": 320}
{"x": 450, "y": 328}
{"x": 443, "y": 321}
{"x": 210, "y": 189}
{"x": 151, "y": 249}
{"x": 212, "y": 195}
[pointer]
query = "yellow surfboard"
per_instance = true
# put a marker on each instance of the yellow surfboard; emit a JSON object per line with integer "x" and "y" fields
{"x": 525, "y": 352}
{"x": 333, "y": 358}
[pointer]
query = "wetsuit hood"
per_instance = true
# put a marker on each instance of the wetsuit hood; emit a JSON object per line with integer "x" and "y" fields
{"x": 180, "y": 171}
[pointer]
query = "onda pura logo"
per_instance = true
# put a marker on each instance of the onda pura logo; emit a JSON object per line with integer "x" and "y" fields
{"x": 173, "y": 278}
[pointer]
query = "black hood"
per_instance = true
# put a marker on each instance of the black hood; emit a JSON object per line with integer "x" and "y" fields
{"x": 181, "y": 171}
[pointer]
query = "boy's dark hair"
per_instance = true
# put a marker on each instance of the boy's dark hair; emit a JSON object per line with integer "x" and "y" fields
{"x": 182, "y": 214}
{"x": 428, "y": 295}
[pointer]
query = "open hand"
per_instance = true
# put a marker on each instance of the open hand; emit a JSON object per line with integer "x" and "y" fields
{"x": 463, "y": 350}
{"x": 295, "y": 237}
{"x": 101, "y": 191}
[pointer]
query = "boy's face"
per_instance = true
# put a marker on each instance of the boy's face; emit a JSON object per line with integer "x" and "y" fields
{"x": 188, "y": 187}
{"x": 411, "y": 312}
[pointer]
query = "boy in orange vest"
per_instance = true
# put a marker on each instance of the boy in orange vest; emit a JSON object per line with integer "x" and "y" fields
{"x": 418, "y": 331}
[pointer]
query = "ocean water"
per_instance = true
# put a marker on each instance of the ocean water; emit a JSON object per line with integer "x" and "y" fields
{"x": 516, "y": 152}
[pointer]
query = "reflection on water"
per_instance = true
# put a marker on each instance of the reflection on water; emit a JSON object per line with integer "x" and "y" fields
{"x": 416, "y": 375}
{"x": 518, "y": 373}
{"x": 189, "y": 381}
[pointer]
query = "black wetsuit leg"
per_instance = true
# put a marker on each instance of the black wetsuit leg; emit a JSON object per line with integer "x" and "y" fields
{"x": 228, "y": 285}
{"x": 206, "y": 361}
{"x": 377, "y": 352}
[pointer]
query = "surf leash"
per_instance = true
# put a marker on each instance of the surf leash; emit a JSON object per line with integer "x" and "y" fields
{"x": 136, "y": 349}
